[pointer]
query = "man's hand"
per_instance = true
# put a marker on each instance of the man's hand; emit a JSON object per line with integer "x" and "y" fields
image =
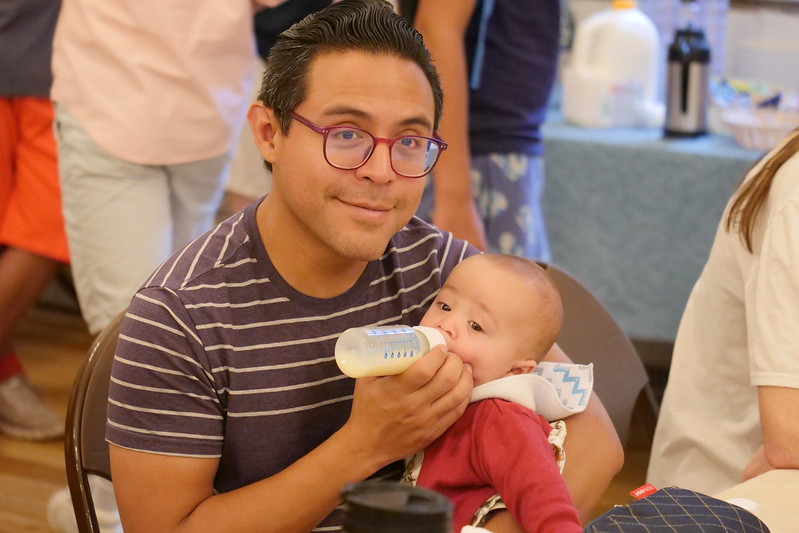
{"x": 395, "y": 416}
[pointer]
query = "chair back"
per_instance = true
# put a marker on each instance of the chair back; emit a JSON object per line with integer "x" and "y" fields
{"x": 591, "y": 335}
{"x": 86, "y": 451}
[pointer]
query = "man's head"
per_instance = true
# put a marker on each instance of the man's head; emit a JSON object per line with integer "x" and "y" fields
{"x": 348, "y": 72}
{"x": 499, "y": 313}
{"x": 352, "y": 25}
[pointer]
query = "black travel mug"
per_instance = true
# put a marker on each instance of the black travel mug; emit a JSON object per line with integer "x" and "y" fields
{"x": 391, "y": 507}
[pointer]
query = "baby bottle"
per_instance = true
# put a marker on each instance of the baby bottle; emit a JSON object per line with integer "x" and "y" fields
{"x": 383, "y": 351}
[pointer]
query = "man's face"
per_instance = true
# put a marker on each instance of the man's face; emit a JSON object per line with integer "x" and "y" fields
{"x": 351, "y": 214}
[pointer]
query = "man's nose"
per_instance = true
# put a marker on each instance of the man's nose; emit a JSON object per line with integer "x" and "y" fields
{"x": 378, "y": 167}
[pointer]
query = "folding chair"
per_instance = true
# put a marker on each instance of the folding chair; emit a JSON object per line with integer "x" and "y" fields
{"x": 86, "y": 451}
{"x": 591, "y": 335}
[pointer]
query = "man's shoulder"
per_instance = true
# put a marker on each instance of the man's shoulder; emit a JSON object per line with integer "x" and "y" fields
{"x": 221, "y": 255}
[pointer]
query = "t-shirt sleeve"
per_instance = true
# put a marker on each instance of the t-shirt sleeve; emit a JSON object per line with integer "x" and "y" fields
{"x": 163, "y": 397}
{"x": 512, "y": 452}
{"x": 773, "y": 316}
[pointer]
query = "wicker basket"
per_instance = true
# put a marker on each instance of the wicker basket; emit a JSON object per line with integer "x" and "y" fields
{"x": 759, "y": 129}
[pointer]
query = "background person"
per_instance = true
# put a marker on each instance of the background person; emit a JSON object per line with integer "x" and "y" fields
{"x": 731, "y": 406}
{"x": 32, "y": 240}
{"x": 498, "y": 61}
{"x": 149, "y": 98}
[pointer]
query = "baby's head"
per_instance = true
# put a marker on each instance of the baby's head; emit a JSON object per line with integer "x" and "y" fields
{"x": 499, "y": 313}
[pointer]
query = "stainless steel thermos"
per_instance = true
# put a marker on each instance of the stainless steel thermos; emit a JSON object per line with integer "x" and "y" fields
{"x": 688, "y": 84}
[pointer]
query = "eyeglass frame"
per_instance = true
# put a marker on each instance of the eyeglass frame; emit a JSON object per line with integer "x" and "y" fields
{"x": 325, "y": 132}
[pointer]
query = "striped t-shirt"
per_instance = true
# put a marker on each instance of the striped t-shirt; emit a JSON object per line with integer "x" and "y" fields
{"x": 219, "y": 357}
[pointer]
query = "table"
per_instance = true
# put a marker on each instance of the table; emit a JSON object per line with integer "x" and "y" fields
{"x": 777, "y": 494}
{"x": 633, "y": 215}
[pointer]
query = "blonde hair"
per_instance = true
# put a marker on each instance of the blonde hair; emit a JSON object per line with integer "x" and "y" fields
{"x": 752, "y": 194}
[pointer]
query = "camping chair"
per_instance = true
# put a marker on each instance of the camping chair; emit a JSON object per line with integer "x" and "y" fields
{"x": 86, "y": 451}
{"x": 591, "y": 335}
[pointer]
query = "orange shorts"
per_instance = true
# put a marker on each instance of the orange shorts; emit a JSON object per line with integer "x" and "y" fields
{"x": 30, "y": 195}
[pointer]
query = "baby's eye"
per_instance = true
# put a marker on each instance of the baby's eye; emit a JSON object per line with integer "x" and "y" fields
{"x": 475, "y": 326}
{"x": 444, "y": 307}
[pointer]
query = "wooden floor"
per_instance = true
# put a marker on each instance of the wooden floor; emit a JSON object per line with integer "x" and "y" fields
{"x": 52, "y": 343}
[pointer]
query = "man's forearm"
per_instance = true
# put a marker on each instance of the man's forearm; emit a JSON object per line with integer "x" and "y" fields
{"x": 179, "y": 499}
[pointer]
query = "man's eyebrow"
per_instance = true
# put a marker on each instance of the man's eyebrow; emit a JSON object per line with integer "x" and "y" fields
{"x": 360, "y": 113}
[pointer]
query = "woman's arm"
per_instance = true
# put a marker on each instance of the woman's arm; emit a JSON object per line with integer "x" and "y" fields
{"x": 779, "y": 419}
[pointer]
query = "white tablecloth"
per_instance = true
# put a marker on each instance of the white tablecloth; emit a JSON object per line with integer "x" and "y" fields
{"x": 777, "y": 495}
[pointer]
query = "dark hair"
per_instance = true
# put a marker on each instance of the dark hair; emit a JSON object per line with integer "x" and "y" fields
{"x": 363, "y": 25}
{"x": 752, "y": 194}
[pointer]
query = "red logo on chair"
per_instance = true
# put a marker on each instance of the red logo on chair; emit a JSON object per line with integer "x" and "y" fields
{"x": 643, "y": 491}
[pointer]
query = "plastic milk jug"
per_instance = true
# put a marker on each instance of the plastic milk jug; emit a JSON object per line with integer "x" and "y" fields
{"x": 383, "y": 351}
{"x": 611, "y": 79}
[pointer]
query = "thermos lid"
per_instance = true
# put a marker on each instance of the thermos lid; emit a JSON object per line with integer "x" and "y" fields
{"x": 689, "y": 46}
{"x": 391, "y": 507}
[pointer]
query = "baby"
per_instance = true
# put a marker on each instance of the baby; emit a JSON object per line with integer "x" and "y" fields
{"x": 501, "y": 315}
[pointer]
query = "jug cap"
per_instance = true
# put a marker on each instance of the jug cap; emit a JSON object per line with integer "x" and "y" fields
{"x": 624, "y": 4}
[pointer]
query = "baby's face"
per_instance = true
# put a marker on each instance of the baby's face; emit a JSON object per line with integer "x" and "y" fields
{"x": 483, "y": 312}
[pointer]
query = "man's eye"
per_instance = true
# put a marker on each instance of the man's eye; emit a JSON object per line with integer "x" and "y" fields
{"x": 445, "y": 307}
{"x": 409, "y": 142}
{"x": 346, "y": 135}
{"x": 475, "y": 326}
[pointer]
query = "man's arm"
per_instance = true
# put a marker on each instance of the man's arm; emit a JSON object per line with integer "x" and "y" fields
{"x": 593, "y": 451}
{"x": 443, "y": 24}
{"x": 391, "y": 418}
{"x": 779, "y": 419}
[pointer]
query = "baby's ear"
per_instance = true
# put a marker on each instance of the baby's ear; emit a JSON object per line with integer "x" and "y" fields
{"x": 524, "y": 367}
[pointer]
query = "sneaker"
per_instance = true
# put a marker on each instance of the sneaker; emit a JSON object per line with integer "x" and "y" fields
{"x": 61, "y": 514}
{"x": 23, "y": 414}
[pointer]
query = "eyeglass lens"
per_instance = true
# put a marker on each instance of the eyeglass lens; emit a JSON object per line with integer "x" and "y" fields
{"x": 411, "y": 155}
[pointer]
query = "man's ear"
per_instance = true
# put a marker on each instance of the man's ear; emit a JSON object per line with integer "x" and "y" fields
{"x": 524, "y": 367}
{"x": 265, "y": 130}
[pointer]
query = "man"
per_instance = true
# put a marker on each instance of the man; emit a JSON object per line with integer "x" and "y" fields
{"x": 227, "y": 411}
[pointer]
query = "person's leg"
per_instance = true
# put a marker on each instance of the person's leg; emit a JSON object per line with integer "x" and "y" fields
{"x": 23, "y": 277}
{"x": 509, "y": 190}
{"x": 31, "y": 226}
{"x": 28, "y": 224}
{"x": 118, "y": 220}
{"x": 196, "y": 191}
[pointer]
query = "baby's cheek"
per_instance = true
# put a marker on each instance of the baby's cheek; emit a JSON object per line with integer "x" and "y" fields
{"x": 427, "y": 319}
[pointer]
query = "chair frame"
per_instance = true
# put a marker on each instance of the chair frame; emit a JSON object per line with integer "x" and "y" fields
{"x": 84, "y": 451}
